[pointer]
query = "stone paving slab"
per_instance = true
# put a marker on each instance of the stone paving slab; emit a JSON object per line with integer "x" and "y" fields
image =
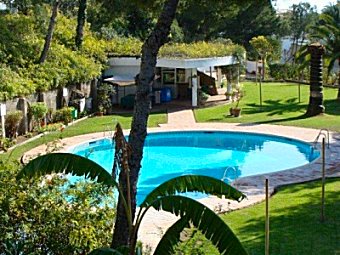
{"x": 155, "y": 223}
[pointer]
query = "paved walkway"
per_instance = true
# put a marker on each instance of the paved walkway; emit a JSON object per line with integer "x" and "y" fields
{"x": 155, "y": 223}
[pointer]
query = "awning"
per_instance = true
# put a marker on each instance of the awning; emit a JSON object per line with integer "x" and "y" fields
{"x": 120, "y": 80}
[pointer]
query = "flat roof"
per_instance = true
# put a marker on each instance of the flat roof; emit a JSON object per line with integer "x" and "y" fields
{"x": 176, "y": 63}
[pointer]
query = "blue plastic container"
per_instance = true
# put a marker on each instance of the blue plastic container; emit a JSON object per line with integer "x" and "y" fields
{"x": 166, "y": 94}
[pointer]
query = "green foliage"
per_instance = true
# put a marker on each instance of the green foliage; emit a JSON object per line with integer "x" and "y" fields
{"x": 105, "y": 91}
{"x": 67, "y": 163}
{"x": 195, "y": 243}
{"x": 50, "y": 127}
{"x": 201, "y": 50}
{"x": 12, "y": 123}
{"x": 262, "y": 46}
{"x": 6, "y": 143}
{"x": 63, "y": 115}
{"x": 125, "y": 46}
{"x": 12, "y": 84}
{"x": 51, "y": 215}
{"x": 21, "y": 40}
{"x": 327, "y": 33}
{"x": 38, "y": 111}
{"x": 288, "y": 71}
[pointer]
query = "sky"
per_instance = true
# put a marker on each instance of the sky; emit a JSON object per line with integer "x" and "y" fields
{"x": 320, "y": 4}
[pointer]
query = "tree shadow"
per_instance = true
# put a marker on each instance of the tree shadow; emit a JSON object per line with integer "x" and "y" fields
{"x": 276, "y": 107}
{"x": 332, "y": 107}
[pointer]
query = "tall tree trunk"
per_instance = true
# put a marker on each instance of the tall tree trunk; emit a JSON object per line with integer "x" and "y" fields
{"x": 315, "y": 106}
{"x": 138, "y": 131}
{"x": 81, "y": 22}
{"x": 339, "y": 80}
{"x": 48, "y": 38}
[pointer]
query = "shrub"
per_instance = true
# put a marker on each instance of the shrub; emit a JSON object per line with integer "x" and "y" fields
{"x": 6, "y": 143}
{"x": 38, "y": 111}
{"x": 63, "y": 115}
{"x": 50, "y": 127}
{"x": 203, "y": 96}
{"x": 12, "y": 123}
{"x": 105, "y": 91}
{"x": 52, "y": 215}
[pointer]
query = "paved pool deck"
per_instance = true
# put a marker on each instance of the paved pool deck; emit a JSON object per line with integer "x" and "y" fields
{"x": 155, "y": 223}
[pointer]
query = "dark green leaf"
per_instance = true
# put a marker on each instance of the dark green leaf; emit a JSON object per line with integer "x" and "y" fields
{"x": 210, "y": 224}
{"x": 172, "y": 236}
{"x": 105, "y": 251}
{"x": 67, "y": 163}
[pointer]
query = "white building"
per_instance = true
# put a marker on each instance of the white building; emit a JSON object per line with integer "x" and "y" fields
{"x": 180, "y": 76}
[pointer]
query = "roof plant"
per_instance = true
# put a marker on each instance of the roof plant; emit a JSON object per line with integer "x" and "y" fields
{"x": 132, "y": 47}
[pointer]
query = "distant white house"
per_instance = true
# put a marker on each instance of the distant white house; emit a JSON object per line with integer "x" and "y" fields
{"x": 180, "y": 76}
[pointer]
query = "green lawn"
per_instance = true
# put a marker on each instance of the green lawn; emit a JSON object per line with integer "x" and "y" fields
{"x": 90, "y": 125}
{"x": 295, "y": 227}
{"x": 280, "y": 106}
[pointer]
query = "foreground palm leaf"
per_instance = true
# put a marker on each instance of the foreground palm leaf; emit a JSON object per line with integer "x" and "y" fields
{"x": 106, "y": 251}
{"x": 172, "y": 237}
{"x": 189, "y": 183}
{"x": 204, "y": 219}
{"x": 67, "y": 164}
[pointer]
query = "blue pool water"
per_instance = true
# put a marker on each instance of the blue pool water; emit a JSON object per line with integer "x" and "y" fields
{"x": 223, "y": 155}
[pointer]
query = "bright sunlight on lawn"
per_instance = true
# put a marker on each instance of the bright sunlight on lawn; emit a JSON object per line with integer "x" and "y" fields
{"x": 280, "y": 106}
{"x": 294, "y": 222}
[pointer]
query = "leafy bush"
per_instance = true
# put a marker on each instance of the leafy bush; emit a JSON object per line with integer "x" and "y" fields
{"x": 50, "y": 127}
{"x": 12, "y": 123}
{"x": 6, "y": 143}
{"x": 63, "y": 115}
{"x": 105, "y": 91}
{"x": 203, "y": 96}
{"x": 278, "y": 71}
{"x": 38, "y": 111}
{"x": 52, "y": 216}
{"x": 288, "y": 72}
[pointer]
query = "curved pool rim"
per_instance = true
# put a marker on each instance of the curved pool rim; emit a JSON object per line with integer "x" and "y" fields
{"x": 71, "y": 149}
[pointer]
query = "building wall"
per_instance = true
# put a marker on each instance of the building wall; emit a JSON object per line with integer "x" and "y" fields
{"x": 53, "y": 100}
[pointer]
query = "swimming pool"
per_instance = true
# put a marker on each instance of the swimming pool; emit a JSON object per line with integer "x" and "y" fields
{"x": 219, "y": 154}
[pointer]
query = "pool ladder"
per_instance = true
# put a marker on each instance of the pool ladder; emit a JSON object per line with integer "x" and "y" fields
{"x": 225, "y": 175}
{"x": 324, "y": 133}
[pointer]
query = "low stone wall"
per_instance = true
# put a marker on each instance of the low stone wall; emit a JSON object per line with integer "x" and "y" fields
{"x": 53, "y": 99}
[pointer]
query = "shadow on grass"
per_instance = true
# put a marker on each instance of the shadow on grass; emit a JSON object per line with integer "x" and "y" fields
{"x": 276, "y": 107}
{"x": 295, "y": 227}
{"x": 332, "y": 107}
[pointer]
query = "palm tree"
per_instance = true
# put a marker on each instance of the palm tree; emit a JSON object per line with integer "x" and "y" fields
{"x": 165, "y": 197}
{"x": 327, "y": 32}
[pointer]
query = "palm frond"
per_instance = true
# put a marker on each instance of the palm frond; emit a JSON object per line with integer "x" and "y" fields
{"x": 67, "y": 163}
{"x": 171, "y": 237}
{"x": 106, "y": 251}
{"x": 204, "y": 219}
{"x": 197, "y": 183}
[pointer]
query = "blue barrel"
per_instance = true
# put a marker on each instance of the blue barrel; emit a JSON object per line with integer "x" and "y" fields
{"x": 166, "y": 94}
